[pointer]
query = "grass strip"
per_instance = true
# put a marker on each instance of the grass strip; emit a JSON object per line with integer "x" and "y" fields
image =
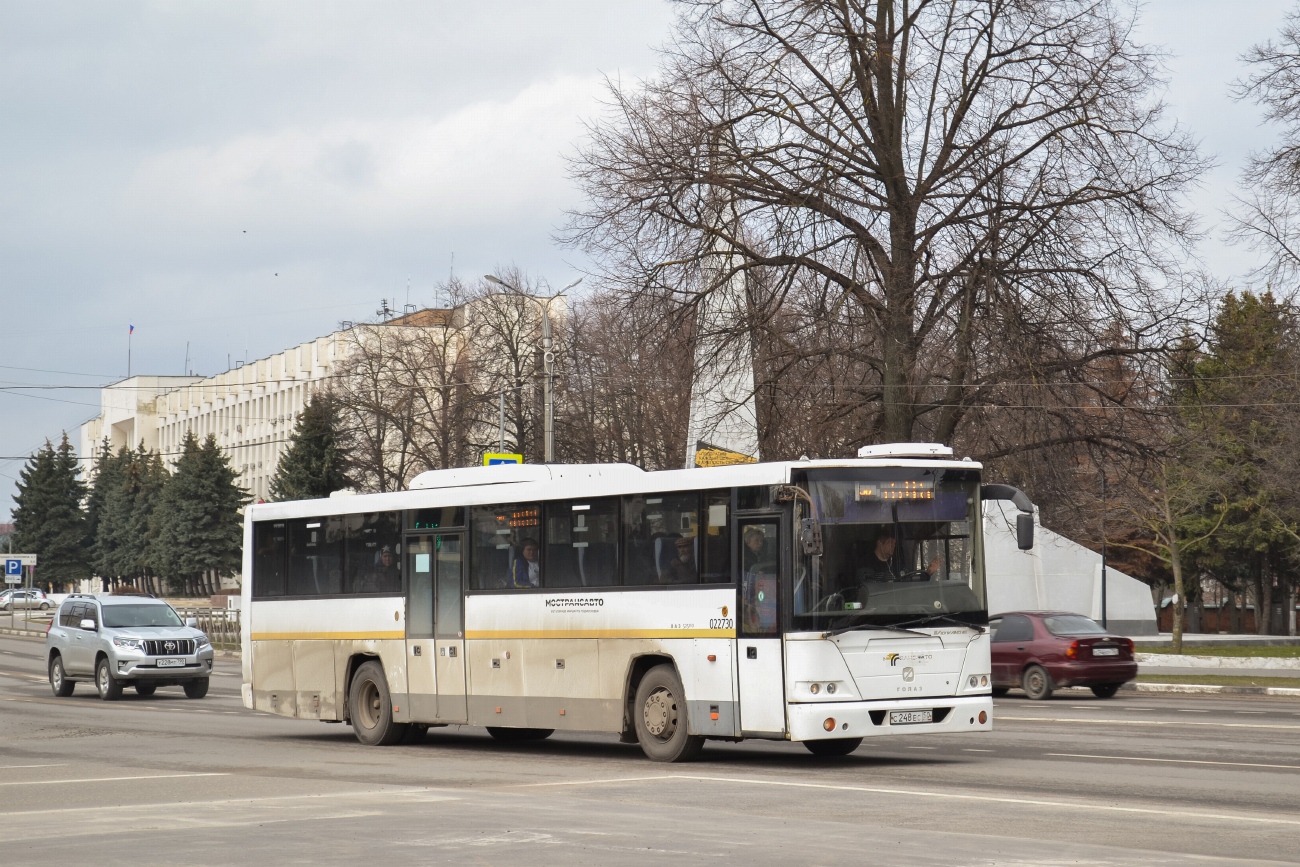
{"x": 1220, "y": 680}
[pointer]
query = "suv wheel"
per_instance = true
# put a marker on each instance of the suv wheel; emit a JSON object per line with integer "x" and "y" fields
{"x": 110, "y": 688}
{"x": 196, "y": 688}
{"x": 59, "y": 679}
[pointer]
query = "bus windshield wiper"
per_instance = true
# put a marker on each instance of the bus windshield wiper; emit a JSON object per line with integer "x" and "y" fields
{"x": 942, "y": 618}
{"x": 830, "y": 633}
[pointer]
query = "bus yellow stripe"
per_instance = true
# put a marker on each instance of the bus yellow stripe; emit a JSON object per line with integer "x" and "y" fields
{"x": 327, "y": 636}
{"x": 600, "y": 633}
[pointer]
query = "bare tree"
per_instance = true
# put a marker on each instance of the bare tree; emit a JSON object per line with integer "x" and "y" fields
{"x": 945, "y": 209}
{"x": 407, "y": 398}
{"x": 1267, "y": 216}
{"x": 625, "y": 388}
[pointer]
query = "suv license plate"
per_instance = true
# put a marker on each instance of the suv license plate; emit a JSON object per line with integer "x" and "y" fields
{"x": 910, "y": 717}
{"x": 1105, "y": 651}
{"x": 170, "y": 662}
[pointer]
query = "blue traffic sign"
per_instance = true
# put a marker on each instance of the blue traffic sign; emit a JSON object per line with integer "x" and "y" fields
{"x": 13, "y": 567}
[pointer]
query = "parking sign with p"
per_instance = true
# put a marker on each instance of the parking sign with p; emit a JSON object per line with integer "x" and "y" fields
{"x": 13, "y": 571}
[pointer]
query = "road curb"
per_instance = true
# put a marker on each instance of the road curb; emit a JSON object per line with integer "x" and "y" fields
{"x": 1202, "y": 689}
{"x": 23, "y": 633}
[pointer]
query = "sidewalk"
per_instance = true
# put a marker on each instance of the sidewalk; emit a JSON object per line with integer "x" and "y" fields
{"x": 1206, "y": 639}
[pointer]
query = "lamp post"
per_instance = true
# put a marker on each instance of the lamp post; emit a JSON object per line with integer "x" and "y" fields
{"x": 548, "y": 362}
{"x": 1103, "y": 550}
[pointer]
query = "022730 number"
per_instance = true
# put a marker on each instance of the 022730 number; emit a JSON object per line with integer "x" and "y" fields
{"x": 722, "y": 623}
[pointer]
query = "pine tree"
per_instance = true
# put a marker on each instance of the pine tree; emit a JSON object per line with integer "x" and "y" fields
{"x": 108, "y": 476}
{"x": 124, "y": 539}
{"x": 312, "y": 466}
{"x": 198, "y": 526}
{"x": 48, "y": 519}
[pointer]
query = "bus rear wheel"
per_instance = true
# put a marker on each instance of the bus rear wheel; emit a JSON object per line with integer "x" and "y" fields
{"x": 833, "y": 746}
{"x": 660, "y": 716}
{"x": 371, "y": 709}
{"x": 502, "y": 733}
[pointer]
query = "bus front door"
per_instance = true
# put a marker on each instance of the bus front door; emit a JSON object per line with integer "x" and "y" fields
{"x": 421, "y": 656}
{"x": 759, "y": 658}
{"x": 449, "y": 626}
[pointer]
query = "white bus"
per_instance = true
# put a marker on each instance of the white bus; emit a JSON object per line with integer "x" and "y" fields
{"x": 819, "y": 601}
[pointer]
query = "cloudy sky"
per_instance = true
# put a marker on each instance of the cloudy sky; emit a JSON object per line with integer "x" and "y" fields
{"x": 241, "y": 176}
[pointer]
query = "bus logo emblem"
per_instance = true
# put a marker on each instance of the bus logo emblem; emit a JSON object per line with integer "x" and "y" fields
{"x": 909, "y": 674}
{"x": 891, "y": 658}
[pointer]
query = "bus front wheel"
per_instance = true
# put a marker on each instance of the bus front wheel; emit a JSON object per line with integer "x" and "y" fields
{"x": 659, "y": 714}
{"x": 371, "y": 709}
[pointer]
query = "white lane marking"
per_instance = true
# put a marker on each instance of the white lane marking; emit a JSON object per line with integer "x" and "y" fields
{"x": 1146, "y": 722}
{"x": 108, "y": 779}
{"x": 428, "y": 794}
{"x": 968, "y": 750}
{"x": 954, "y": 796}
{"x": 1252, "y": 712}
{"x": 12, "y": 767}
{"x": 922, "y": 748}
{"x": 1189, "y": 710}
{"x": 1177, "y": 761}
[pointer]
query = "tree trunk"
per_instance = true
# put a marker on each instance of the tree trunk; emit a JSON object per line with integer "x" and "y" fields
{"x": 1176, "y": 566}
{"x": 1264, "y": 604}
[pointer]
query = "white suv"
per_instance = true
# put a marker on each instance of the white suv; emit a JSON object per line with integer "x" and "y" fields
{"x": 116, "y": 640}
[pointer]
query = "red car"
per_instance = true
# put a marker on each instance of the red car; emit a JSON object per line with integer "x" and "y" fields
{"x": 1039, "y": 651}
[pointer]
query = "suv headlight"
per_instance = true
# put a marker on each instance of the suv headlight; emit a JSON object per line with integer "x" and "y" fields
{"x": 201, "y": 640}
{"x": 133, "y": 643}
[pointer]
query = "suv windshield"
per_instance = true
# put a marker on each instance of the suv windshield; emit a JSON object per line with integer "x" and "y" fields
{"x": 120, "y": 616}
{"x": 898, "y": 546}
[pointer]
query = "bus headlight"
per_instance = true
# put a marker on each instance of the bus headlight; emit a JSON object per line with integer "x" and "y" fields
{"x": 830, "y": 688}
{"x": 815, "y": 688}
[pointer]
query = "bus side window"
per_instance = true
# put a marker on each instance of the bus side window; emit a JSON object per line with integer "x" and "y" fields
{"x": 499, "y": 535}
{"x": 374, "y": 552}
{"x": 270, "y": 550}
{"x": 661, "y": 539}
{"x": 315, "y": 557}
{"x": 716, "y": 535}
{"x": 582, "y": 543}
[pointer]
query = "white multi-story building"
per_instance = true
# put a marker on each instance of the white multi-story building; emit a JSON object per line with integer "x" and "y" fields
{"x": 250, "y": 409}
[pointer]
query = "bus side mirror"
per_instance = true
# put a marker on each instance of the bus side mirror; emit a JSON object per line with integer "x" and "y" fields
{"x": 810, "y": 537}
{"x": 1024, "y": 532}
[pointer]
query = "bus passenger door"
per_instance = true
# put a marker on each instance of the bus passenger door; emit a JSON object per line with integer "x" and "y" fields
{"x": 758, "y": 647}
{"x": 421, "y": 655}
{"x": 449, "y": 560}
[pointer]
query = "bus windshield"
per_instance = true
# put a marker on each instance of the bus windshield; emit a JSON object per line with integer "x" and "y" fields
{"x": 899, "y": 546}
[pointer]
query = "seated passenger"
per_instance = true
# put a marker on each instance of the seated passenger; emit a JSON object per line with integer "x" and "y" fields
{"x": 385, "y": 576}
{"x": 527, "y": 571}
{"x": 682, "y": 568}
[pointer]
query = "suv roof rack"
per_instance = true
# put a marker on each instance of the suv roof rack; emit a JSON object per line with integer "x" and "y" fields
{"x": 81, "y": 595}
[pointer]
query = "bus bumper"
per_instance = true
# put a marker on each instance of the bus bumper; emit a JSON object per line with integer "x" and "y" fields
{"x": 864, "y": 719}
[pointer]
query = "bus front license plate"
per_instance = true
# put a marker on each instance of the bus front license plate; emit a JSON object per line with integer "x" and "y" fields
{"x": 171, "y": 663}
{"x": 910, "y": 717}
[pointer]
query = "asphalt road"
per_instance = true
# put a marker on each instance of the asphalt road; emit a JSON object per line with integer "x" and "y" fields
{"x": 1075, "y": 780}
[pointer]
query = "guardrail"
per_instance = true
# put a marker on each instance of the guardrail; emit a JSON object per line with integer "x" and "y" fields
{"x": 220, "y": 625}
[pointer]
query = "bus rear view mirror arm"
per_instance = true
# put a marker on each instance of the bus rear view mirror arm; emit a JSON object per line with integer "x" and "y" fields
{"x": 1024, "y": 521}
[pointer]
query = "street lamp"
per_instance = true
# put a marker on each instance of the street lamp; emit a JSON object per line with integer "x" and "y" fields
{"x": 548, "y": 360}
